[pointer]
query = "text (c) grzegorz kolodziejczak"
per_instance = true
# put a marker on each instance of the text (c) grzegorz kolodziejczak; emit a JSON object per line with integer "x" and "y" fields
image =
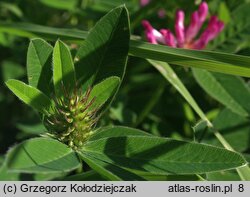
{"x": 78, "y": 188}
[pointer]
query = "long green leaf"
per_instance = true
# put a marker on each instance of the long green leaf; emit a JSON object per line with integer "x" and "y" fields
{"x": 39, "y": 68}
{"x": 161, "y": 155}
{"x": 30, "y": 95}
{"x": 229, "y": 90}
{"x": 104, "y": 52}
{"x": 33, "y": 31}
{"x": 213, "y": 61}
{"x": 42, "y": 155}
{"x": 63, "y": 69}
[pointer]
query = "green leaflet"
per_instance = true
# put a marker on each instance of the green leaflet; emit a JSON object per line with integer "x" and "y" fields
{"x": 96, "y": 59}
{"x": 39, "y": 65}
{"x": 30, "y": 95}
{"x": 63, "y": 69}
{"x": 229, "y": 90}
{"x": 103, "y": 91}
{"x": 41, "y": 155}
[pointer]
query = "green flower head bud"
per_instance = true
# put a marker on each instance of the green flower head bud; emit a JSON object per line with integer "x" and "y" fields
{"x": 72, "y": 119}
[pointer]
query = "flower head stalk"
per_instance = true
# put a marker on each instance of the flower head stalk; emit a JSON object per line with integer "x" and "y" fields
{"x": 186, "y": 37}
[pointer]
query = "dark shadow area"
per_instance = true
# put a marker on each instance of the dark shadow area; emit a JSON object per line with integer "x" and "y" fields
{"x": 26, "y": 177}
{"x": 45, "y": 83}
{"x": 86, "y": 176}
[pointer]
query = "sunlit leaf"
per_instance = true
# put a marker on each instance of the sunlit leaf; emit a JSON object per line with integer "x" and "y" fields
{"x": 229, "y": 90}
{"x": 30, "y": 95}
{"x": 41, "y": 155}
